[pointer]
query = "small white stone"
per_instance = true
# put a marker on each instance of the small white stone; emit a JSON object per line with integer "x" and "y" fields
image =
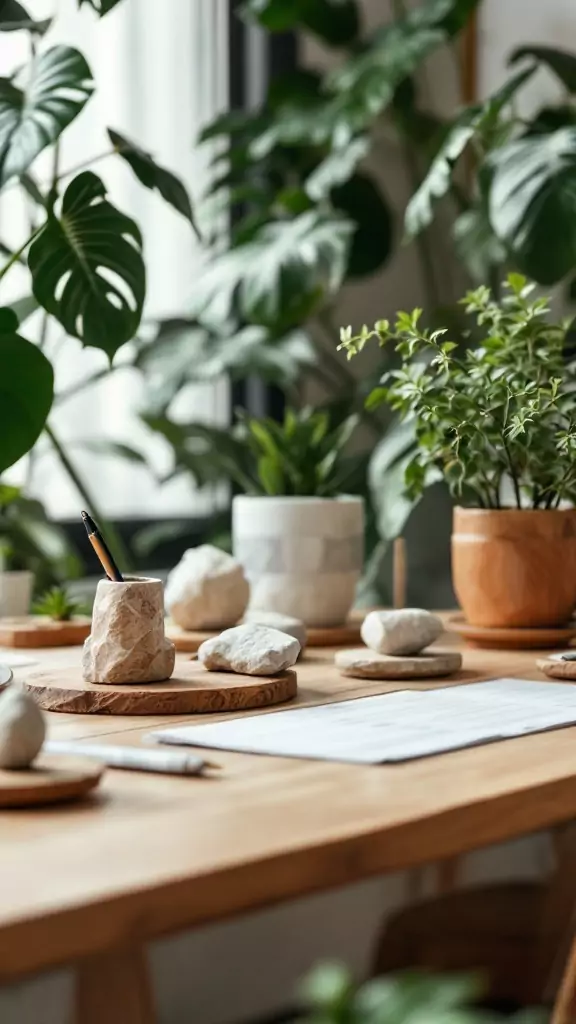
{"x": 22, "y": 728}
{"x": 285, "y": 623}
{"x": 207, "y": 589}
{"x": 406, "y": 631}
{"x": 250, "y": 649}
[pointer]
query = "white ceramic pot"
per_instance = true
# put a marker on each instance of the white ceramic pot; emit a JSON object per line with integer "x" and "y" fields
{"x": 16, "y": 592}
{"x": 302, "y": 556}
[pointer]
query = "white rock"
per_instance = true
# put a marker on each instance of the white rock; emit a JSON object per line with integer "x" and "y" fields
{"x": 406, "y": 631}
{"x": 251, "y": 649}
{"x": 22, "y": 728}
{"x": 207, "y": 589}
{"x": 285, "y": 623}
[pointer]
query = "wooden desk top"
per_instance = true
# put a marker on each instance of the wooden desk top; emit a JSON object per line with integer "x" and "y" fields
{"x": 154, "y": 854}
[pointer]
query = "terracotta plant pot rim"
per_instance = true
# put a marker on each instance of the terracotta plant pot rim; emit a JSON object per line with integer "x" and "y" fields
{"x": 511, "y": 510}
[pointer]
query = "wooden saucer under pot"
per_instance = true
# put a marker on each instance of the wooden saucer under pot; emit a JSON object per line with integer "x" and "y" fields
{"x": 510, "y": 637}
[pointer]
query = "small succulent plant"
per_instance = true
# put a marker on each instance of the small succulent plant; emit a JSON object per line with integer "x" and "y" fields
{"x": 57, "y": 604}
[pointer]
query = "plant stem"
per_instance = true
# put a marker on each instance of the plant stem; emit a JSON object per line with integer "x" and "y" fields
{"x": 113, "y": 537}
{"x": 512, "y": 472}
{"x": 15, "y": 257}
{"x": 86, "y": 163}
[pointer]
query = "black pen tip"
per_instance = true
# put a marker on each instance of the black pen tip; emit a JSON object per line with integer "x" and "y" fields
{"x": 84, "y": 515}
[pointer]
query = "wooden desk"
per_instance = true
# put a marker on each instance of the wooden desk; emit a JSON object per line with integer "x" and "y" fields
{"x": 154, "y": 854}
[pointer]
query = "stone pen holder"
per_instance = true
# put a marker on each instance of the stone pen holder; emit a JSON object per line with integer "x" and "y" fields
{"x": 127, "y": 643}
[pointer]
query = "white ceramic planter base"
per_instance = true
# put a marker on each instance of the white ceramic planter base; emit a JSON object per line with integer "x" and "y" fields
{"x": 302, "y": 556}
{"x": 16, "y": 592}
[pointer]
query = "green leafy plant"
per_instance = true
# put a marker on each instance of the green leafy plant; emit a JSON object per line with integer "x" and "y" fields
{"x": 84, "y": 256}
{"x": 29, "y": 540}
{"x": 331, "y": 996}
{"x": 501, "y": 412}
{"x": 520, "y": 207}
{"x": 57, "y": 604}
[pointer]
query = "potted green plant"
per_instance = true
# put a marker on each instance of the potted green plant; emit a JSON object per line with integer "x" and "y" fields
{"x": 34, "y": 552}
{"x": 299, "y": 537}
{"x": 498, "y": 422}
{"x": 57, "y": 604}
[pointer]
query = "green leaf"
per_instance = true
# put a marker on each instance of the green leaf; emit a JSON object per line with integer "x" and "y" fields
{"x": 114, "y": 449}
{"x": 336, "y": 22}
{"x": 560, "y": 62}
{"x": 533, "y": 203}
{"x": 364, "y": 204}
{"x": 270, "y": 475}
{"x": 26, "y": 391}
{"x": 419, "y": 213}
{"x": 152, "y": 176}
{"x": 281, "y": 276}
{"x": 58, "y": 85}
{"x": 477, "y": 245}
{"x": 14, "y": 17}
{"x": 337, "y": 168}
{"x": 100, "y": 6}
{"x": 87, "y": 267}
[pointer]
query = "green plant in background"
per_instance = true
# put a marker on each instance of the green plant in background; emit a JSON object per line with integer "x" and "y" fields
{"x": 302, "y": 456}
{"x": 84, "y": 256}
{"x": 501, "y": 412}
{"x": 57, "y": 604}
{"x": 331, "y": 996}
{"x": 29, "y": 540}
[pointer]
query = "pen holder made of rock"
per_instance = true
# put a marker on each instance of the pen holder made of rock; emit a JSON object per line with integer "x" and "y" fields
{"x": 127, "y": 643}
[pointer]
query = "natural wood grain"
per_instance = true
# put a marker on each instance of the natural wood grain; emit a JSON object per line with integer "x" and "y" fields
{"x": 399, "y": 573}
{"x": 333, "y": 636}
{"x": 508, "y": 638}
{"x": 152, "y": 855}
{"x": 35, "y": 631}
{"x": 52, "y": 779}
{"x": 513, "y": 567}
{"x": 114, "y": 988}
{"x": 187, "y": 641}
{"x": 192, "y": 690}
{"x": 557, "y": 669}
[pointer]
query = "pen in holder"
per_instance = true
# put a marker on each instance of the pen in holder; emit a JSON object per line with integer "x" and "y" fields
{"x": 127, "y": 643}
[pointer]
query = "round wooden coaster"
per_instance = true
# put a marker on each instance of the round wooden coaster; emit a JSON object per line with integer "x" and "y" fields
{"x": 51, "y": 779}
{"x": 191, "y": 691}
{"x": 39, "y": 631}
{"x": 555, "y": 668}
{"x": 187, "y": 640}
{"x": 509, "y": 638}
{"x": 362, "y": 663}
{"x": 333, "y": 636}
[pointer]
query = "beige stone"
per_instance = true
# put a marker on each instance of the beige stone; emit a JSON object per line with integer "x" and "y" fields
{"x": 362, "y": 663}
{"x": 206, "y": 590}
{"x": 22, "y": 728}
{"x": 127, "y": 643}
{"x": 250, "y": 649}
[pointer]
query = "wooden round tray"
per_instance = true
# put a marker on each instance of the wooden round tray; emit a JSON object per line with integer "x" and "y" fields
{"x": 51, "y": 779}
{"x": 555, "y": 668}
{"x": 191, "y": 691}
{"x": 362, "y": 663}
{"x": 188, "y": 641}
{"x": 509, "y": 638}
{"x": 38, "y": 631}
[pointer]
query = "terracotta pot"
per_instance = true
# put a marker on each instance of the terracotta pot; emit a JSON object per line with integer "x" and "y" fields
{"x": 515, "y": 567}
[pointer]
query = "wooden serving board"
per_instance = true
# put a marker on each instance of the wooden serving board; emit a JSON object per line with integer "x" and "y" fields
{"x": 191, "y": 691}
{"x": 40, "y": 631}
{"x": 187, "y": 641}
{"x": 51, "y": 779}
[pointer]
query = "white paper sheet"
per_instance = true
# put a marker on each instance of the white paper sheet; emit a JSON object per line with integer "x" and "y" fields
{"x": 395, "y": 726}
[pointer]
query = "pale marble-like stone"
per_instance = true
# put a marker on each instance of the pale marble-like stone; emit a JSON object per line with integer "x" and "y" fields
{"x": 251, "y": 650}
{"x": 285, "y": 623}
{"x": 365, "y": 664}
{"x": 207, "y": 589}
{"x": 22, "y": 728}
{"x": 405, "y": 631}
{"x": 127, "y": 643}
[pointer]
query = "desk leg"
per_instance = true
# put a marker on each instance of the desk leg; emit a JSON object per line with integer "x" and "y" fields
{"x": 115, "y": 988}
{"x": 565, "y": 1006}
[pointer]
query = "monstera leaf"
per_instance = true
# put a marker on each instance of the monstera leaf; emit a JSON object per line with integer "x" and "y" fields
{"x": 280, "y": 276}
{"x": 472, "y": 120}
{"x": 57, "y": 88}
{"x": 153, "y": 176}
{"x": 87, "y": 267}
{"x": 533, "y": 203}
{"x": 560, "y": 62}
{"x": 26, "y": 391}
{"x": 14, "y": 17}
{"x": 100, "y": 6}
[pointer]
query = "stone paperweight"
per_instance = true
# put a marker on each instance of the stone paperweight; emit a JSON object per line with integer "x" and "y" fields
{"x": 127, "y": 643}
